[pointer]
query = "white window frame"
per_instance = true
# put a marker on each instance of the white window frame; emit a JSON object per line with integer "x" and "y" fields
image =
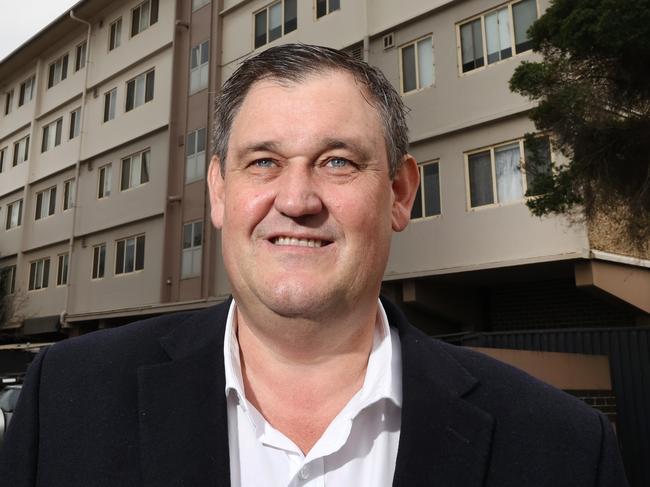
{"x": 104, "y": 181}
{"x": 52, "y": 135}
{"x": 140, "y": 87}
{"x": 62, "y": 269}
{"x": 135, "y": 241}
{"x": 481, "y": 18}
{"x": 199, "y": 69}
{"x": 80, "y": 56}
{"x": 423, "y": 190}
{"x": 74, "y": 128}
{"x": 283, "y": 22}
{"x": 98, "y": 270}
{"x": 115, "y": 34}
{"x": 522, "y": 173}
{"x": 57, "y": 71}
{"x": 146, "y": 21}
{"x": 328, "y": 8}
{"x": 39, "y": 278}
{"x": 415, "y": 44}
{"x": 27, "y": 90}
{"x": 69, "y": 188}
{"x": 21, "y": 150}
{"x": 195, "y": 161}
{"x": 192, "y": 252}
{"x": 46, "y": 203}
{"x": 14, "y": 214}
{"x": 110, "y": 105}
{"x": 138, "y": 171}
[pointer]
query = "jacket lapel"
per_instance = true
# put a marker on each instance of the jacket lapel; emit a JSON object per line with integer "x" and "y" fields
{"x": 182, "y": 405}
{"x": 445, "y": 440}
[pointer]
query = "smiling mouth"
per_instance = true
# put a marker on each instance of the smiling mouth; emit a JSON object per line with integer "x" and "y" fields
{"x": 299, "y": 242}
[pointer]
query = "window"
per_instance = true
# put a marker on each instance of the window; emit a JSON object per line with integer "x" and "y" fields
{"x": 9, "y": 101}
{"x": 192, "y": 243}
{"x": 39, "y": 274}
{"x": 8, "y": 280}
{"x": 427, "y": 199}
{"x": 62, "y": 270}
{"x": 52, "y": 135}
{"x": 3, "y": 156}
{"x": 45, "y": 203}
{"x": 14, "y": 214}
{"x": 21, "y": 150}
{"x": 199, "y": 67}
{"x": 417, "y": 64}
{"x": 110, "y": 99}
{"x": 139, "y": 90}
{"x": 58, "y": 71}
{"x": 75, "y": 123}
{"x": 135, "y": 170}
{"x": 324, "y": 7}
{"x": 99, "y": 261}
{"x": 197, "y": 4}
{"x": 495, "y": 174}
{"x": 105, "y": 182}
{"x": 501, "y": 28}
{"x": 195, "y": 156}
{"x": 68, "y": 194}
{"x": 143, "y": 16}
{"x": 80, "y": 56}
{"x": 269, "y": 24}
{"x": 115, "y": 38}
{"x": 26, "y": 91}
{"x": 129, "y": 255}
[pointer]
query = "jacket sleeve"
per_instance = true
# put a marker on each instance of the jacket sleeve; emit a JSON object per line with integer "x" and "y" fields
{"x": 19, "y": 451}
{"x": 610, "y": 467}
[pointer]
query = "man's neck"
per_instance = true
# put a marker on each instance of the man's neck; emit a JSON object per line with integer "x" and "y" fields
{"x": 299, "y": 373}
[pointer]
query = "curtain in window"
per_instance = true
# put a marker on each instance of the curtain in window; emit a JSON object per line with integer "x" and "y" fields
{"x": 497, "y": 32}
{"x": 507, "y": 160}
{"x": 275, "y": 22}
{"x": 425, "y": 62}
{"x": 471, "y": 41}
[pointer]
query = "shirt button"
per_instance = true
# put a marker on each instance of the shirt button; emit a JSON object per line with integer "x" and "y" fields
{"x": 304, "y": 473}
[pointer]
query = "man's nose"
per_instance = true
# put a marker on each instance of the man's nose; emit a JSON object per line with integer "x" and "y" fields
{"x": 297, "y": 193}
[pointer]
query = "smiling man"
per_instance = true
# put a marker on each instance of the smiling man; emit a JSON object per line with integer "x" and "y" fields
{"x": 305, "y": 377}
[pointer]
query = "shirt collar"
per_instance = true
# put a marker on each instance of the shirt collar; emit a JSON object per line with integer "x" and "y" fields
{"x": 383, "y": 378}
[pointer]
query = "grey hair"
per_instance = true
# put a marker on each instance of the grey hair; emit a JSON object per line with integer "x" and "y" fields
{"x": 294, "y": 63}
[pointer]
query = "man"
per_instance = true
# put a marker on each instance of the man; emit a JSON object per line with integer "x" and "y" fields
{"x": 305, "y": 377}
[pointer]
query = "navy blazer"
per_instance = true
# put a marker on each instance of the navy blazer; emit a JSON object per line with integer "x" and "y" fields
{"x": 144, "y": 405}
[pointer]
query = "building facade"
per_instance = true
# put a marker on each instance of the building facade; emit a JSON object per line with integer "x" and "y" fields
{"x": 105, "y": 139}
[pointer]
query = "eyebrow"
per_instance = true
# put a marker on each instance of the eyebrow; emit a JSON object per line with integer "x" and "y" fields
{"x": 325, "y": 145}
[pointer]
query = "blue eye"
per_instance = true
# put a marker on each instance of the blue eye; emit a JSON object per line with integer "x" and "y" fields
{"x": 338, "y": 162}
{"x": 264, "y": 163}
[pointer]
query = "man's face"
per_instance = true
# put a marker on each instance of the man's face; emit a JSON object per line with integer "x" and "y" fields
{"x": 306, "y": 205}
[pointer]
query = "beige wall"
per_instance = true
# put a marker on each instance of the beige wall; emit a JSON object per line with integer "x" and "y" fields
{"x": 19, "y": 116}
{"x": 12, "y": 177}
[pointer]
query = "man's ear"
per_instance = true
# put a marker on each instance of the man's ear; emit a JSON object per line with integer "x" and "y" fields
{"x": 216, "y": 187}
{"x": 405, "y": 186}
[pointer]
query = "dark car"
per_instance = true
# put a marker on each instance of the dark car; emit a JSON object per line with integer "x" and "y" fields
{"x": 8, "y": 399}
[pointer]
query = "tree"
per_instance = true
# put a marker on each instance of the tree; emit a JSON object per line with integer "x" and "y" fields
{"x": 593, "y": 93}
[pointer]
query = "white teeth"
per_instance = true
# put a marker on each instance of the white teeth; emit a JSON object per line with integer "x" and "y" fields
{"x": 297, "y": 242}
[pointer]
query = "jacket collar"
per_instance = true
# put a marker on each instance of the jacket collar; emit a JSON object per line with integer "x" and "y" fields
{"x": 445, "y": 440}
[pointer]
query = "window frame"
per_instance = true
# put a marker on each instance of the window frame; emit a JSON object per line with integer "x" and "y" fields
{"x": 74, "y": 128}
{"x": 52, "y": 80}
{"x": 283, "y": 22}
{"x": 415, "y": 43}
{"x": 80, "y": 56}
{"x": 26, "y": 96}
{"x": 200, "y": 68}
{"x": 422, "y": 191}
{"x": 10, "y": 213}
{"x": 136, "y": 239}
{"x": 328, "y": 9}
{"x": 69, "y": 190}
{"x": 46, "y": 137}
{"x": 153, "y": 17}
{"x": 104, "y": 184}
{"x": 144, "y": 169}
{"x": 147, "y": 95}
{"x": 98, "y": 262}
{"x": 25, "y": 151}
{"x": 44, "y": 283}
{"x": 62, "y": 269}
{"x": 192, "y": 250}
{"x": 49, "y": 209}
{"x": 195, "y": 159}
{"x": 115, "y": 34}
{"x": 481, "y": 17}
{"x": 522, "y": 172}
{"x": 110, "y": 100}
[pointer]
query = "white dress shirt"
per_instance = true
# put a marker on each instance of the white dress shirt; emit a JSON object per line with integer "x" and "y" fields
{"x": 359, "y": 447}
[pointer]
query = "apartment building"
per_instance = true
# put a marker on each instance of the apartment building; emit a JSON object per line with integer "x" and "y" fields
{"x": 105, "y": 136}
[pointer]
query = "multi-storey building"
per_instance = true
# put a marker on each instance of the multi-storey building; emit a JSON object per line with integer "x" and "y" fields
{"x": 105, "y": 137}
